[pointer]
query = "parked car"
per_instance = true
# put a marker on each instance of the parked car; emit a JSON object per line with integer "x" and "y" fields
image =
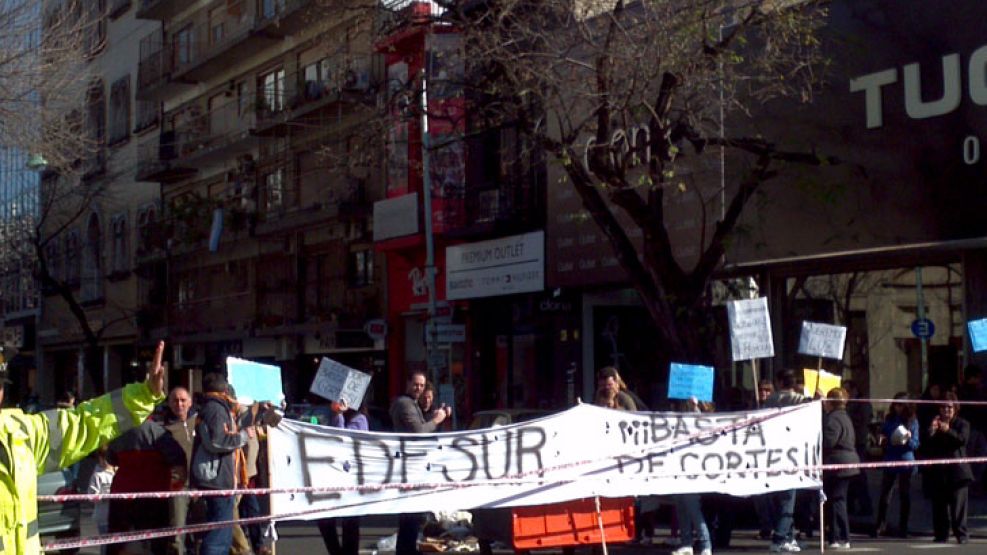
{"x": 59, "y": 520}
{"x": 504, "y": 417}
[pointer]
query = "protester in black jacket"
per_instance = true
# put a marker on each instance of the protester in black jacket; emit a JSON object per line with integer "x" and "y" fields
{"x": 838, "y": 448}
{"x": 948, "y": 484}
{"x": 218, "y": 439}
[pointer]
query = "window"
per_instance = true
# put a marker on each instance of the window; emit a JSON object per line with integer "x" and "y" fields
{"x": 72, "y": 269}
{"x": 145, "y": 229}
{"x": 272, "y": 8}
{"x": 217, "y": 25}
{"x": 147, "y": 115}
{"x": 96, "y": 126}
{"x": 183, "y": 46}
{"x": 317, "y": 79}
{"x": 120, "y": 110}
{"x": 361, "y": 268}
{"x": 121, "y": 261}
{"x": 97, "y": 32}
{"x": 271, "y": 92}
{"x": 274, "y": 190}
{"x": 92, "y": 261}
{"x": 243, "y": 98}
{"x": 118, "y": 8}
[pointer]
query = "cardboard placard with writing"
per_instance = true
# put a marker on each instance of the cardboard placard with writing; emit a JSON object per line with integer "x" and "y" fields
{"x": 338, "y": 382}
{"x": 750, "y": 329}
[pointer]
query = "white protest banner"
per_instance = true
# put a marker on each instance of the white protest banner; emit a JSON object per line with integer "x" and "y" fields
{"x": 750, "y": 329}
{"x": 583, "y": 452}
{"x": 822, "y": 340}
{"x": 338, "y": 382}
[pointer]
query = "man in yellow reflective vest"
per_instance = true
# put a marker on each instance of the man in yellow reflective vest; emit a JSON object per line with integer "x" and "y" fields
{"x": 31, "y": 444}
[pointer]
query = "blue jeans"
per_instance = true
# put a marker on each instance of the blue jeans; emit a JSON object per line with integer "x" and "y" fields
{"x": 692, "y": 525}
{"x": 783, "y": 515}
{"x": 218, "y": 542}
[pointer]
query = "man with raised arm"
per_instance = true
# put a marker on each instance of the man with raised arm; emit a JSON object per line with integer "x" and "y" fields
{"x": 31, "y": 444}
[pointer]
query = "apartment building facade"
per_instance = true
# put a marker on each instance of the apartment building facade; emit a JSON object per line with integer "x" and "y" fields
{"x": 264, "y": 247}
{"x": 90, "y": 235}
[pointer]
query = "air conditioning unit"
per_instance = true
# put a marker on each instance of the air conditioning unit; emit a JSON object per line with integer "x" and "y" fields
{"x": 189, "y": 355}
{"x": 356, "y": 78}
{"x": 286, "y": 348}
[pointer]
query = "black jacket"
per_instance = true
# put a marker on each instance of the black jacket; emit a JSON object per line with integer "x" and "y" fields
{"x": 948, "y": 445}
{"x": 214, "y": 452}
{"x": 838, "y": 442}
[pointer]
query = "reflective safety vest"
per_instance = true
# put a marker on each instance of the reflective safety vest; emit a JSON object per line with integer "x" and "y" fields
{"x": 31, "y": 444}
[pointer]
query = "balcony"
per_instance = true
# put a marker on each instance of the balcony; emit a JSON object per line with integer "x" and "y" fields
{"x": 161, "y": 9}
{"x": 155, "y": 68}
{"x": 244, "y": 26}
{"x": 158, "y": 161}
{"x": 222, "y": 132}
{"x": 315, "y": 98}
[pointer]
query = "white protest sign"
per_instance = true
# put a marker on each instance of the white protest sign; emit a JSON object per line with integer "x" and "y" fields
{"x": 822, "y": 340}
{"x": 750, "y": 329}
{"x": 338, "y": 382}
{"x": 585, "y": 451}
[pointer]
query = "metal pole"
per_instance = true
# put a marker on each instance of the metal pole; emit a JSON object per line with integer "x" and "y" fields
{"x": 920, "y": 314}
{"x": 430, "y": 331}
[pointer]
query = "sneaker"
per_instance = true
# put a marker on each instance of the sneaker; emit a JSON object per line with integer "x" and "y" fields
{"x": 684, "y": 550}
{"x": 839, "y": 545}
{"x": 706, "y": 551}
{"x": 786, "y": 547}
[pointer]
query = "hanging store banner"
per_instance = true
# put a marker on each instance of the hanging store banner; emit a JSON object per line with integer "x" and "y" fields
{"x": 583, "y": 452}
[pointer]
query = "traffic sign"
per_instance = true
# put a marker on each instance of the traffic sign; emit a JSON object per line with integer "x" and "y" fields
{"x": 923, "y": 328}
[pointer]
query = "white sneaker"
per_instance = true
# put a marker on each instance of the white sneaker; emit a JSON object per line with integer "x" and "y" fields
{"x": 786, "y": 547}
{"x": 706, "y": 551}
{"x": 684, "y": 550}
{"x": 839, "y": 545}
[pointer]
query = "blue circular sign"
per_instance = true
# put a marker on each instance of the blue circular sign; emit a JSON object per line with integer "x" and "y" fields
{"x": 923, "y": 328}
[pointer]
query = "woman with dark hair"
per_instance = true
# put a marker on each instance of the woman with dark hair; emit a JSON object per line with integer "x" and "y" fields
{"x": 900, "y": 436}
{"x": 613, "y": 393}
{"x": 351, "y": 419}
{"x": 948, "y": 484}
{"x": 838, "y": 448}
{"x": 427, "y": 401}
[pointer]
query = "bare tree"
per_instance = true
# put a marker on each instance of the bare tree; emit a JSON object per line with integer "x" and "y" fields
{"x": 44, "y": 47}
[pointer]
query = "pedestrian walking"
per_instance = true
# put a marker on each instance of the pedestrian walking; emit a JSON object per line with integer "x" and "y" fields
{"x": 783, "y": 502}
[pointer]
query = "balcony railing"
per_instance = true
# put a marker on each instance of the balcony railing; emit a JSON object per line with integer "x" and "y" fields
{"x": 306, "y": 94}
{"x": 223, "y": 130}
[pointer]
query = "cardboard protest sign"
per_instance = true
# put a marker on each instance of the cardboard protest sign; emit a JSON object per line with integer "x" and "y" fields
{"x": 822, "y": 340}
{"x": 827, "y": 381}
{"x": 750, "y": 329}
{"x": 978, "y": 334}
{"x": 255, "y": 382}
{"x": 689, "y": 380}
{"x": 338, "y": 382}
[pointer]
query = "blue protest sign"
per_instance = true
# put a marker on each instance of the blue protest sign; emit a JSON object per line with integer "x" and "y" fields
{"x": 978, "y": 334}
{"x": 689, "y": 380}
{"x": 255, "y": 382}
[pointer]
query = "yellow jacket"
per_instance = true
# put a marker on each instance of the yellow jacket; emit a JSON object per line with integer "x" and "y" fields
{"x": 31, "y": 444}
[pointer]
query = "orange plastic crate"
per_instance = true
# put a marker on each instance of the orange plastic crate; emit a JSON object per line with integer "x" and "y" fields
{"x": 573, "y": 523}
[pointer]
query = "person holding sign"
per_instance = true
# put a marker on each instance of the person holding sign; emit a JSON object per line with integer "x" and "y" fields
{"x": 407, "y": 416}
{"x": 351, "y": 419}
{"x": 783, "y": 502}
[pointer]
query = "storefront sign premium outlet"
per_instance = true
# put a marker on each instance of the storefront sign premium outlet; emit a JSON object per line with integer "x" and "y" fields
{"x": 504, "y": 266}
